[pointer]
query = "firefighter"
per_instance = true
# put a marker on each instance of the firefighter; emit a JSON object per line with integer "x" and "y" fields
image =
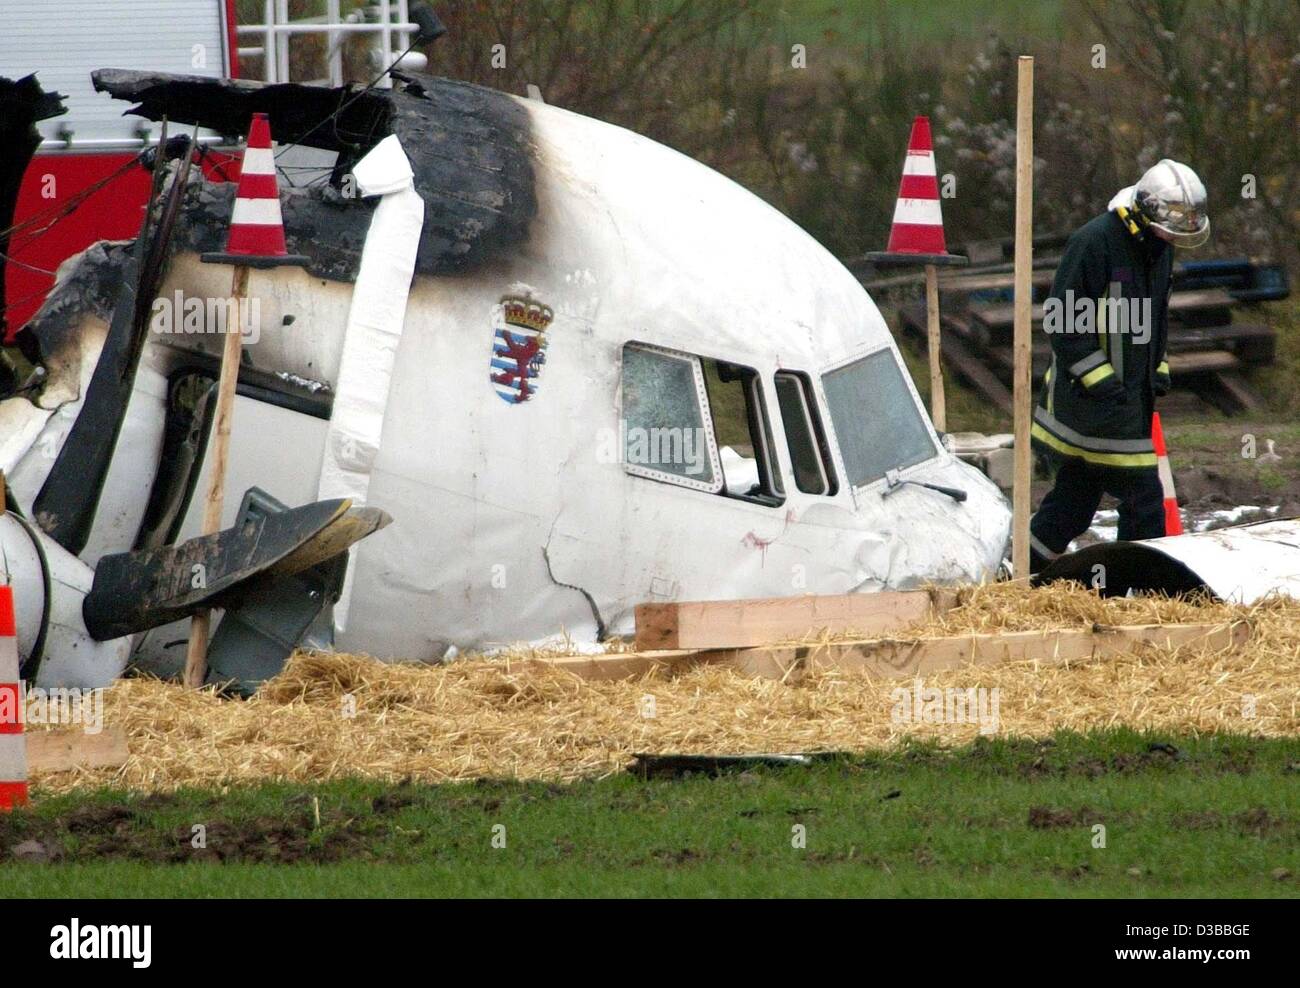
{"x": 1106, "y": 320}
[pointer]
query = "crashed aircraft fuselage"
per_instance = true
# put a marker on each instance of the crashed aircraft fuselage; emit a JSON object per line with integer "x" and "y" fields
{"x": 579, "y": 370}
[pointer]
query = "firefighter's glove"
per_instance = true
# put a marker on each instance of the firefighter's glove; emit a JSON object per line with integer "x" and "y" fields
{"x": 1161, "y": 382}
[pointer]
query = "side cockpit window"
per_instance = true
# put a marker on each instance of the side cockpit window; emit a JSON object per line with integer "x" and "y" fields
{"x": 667, "y": 433}
{"x": 698, "y": 423}
{"x": 744, "y": 432}
{"x": 805, "y": 439}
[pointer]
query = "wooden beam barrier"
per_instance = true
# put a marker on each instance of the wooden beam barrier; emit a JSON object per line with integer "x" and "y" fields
{"x": 892, "y": 658}
{"x": 735, "y": 623}
{"x": 65, "y": 750}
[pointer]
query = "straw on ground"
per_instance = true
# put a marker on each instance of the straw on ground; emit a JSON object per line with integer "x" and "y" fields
{"x": 500, "y": 717}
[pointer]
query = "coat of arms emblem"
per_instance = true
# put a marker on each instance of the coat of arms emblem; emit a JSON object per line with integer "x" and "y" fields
{"x": 518, "y": 347}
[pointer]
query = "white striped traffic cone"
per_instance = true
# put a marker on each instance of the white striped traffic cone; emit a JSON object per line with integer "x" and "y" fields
{"x": 916, "y": 236}
{"x": 1173, "y": 518}
{"x": 256, "y": 236}
{"x": 918, "y": 219}
{"x": 13, "y": 751}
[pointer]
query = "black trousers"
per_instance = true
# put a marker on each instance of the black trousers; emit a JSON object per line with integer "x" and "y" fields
{"x": 1068, "y": 509}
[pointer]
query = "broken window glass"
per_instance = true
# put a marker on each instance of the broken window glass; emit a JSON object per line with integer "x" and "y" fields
{"x": 665, "y": 418}
{"x": 877, "y": 422}
{"x": 804, "y": 436}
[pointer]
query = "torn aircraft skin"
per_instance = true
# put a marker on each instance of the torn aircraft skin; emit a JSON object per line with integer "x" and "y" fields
{"x": 1243, "y": 564}
{"x": 620, "y": 377}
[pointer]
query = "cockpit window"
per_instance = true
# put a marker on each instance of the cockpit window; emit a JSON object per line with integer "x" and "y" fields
{"x": 810, "y": 455}
{"x": 877, "y": 422}
{"x": 744, "y": 433}
{"x": 698, "y": 422}
{"x": 667, "y": 434}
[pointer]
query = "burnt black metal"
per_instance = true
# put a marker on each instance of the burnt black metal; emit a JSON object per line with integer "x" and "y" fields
{"x": 268, "y": 387}
{"x": 135, "y": 591}
{"x": 90, "y": 288}
{"x": 185, "y": 438}
{"x": 255, "y": 260}
{"x": 256, "y": 637}
{"x": 471, "y": 149}
{"x": 29, "y": 667}
{"x": 68, "y": 500}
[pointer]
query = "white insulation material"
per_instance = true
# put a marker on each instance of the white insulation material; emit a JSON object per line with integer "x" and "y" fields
{"x": 375, "y": 323}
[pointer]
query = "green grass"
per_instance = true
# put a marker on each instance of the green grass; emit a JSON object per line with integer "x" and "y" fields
{"x": 1218, "y": 816}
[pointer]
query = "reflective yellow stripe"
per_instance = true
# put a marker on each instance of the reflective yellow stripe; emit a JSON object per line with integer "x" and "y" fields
{"x": 1163, "y": 368}
{"x": 1127, "y": 220}
{"x": 1097, "y": 374}
{"x": 1047, "y": 383}
{"x": 1102, "y": 459}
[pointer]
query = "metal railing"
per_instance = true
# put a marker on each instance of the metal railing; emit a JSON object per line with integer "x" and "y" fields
{"x": 394, "y": 20}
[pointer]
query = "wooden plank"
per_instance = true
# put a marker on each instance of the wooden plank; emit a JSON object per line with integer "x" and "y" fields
{"x": 958, "y": 348}
{"x": 1202, "y": 362}
{"x": 1180, "y": 364}
{"x": 709, "y": 624}
{"x": 1253, "y": 343}
{"x": 982, "y": 282}
{"x": 892, "y": 658}
{"x": 1234, "y": 385}
{"x": 938, "y": 408}
{"x": 196, "y": 652}
{"x": 1021, "y": 380}
{"x": 1229, "y": 392}
{"x": 62, "y": 751}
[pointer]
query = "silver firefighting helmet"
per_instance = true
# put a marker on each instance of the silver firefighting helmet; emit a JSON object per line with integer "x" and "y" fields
{"x": 1171, "y": 198}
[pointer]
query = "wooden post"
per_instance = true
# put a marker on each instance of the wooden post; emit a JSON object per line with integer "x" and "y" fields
{"x": 938, "y": 410}
{"x": 1020, "y": 501}
{"x": 196, "y": 654}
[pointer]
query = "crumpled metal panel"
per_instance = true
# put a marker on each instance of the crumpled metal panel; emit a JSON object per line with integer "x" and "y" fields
{"x": 1241, "y": 564}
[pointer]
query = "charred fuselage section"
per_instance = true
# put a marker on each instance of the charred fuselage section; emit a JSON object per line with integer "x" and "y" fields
{"x": 470, "y": 148}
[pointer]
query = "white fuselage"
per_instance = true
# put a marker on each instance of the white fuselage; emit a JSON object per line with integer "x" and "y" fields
{"x": 502, "y": 510}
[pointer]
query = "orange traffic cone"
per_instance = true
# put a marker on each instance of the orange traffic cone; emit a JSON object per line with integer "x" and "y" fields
{"x": 13, "y": 752}
{"x": 1173, "y": 519}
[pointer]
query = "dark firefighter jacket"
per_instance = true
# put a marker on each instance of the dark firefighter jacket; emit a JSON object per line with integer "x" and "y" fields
{"x": 1108, "y": 354}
